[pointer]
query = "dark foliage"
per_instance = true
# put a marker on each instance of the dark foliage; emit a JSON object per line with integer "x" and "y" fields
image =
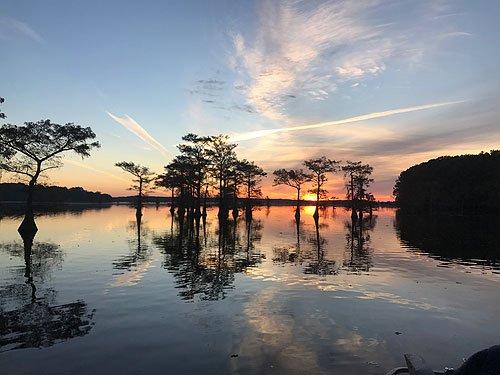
{"x": 17, "y": 193}
{"x": 460, "y": 184}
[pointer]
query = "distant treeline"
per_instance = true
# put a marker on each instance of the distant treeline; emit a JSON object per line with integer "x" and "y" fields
{"x": 255, "y": 201}
{"x": 16, "y": 192}
{"x": 460, "y": 184}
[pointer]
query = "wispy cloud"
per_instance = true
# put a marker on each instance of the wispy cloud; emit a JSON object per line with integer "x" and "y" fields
{"x": 93, "y": 169}
{"x": 10, "y": 26}
{"x": 302, "y": 49}
{"x": 130, "y": 124}
{"x": 454, "y": 34}
{"x": 369, "y": 116}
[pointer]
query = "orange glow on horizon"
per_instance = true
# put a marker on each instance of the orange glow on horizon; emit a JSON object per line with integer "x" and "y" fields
{"x": 309, "y": 197}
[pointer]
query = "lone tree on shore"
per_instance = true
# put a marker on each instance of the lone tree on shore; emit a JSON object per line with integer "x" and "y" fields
{"x": 294, "y": 178}
{"x": 319, "y": 167}
{"x": 36, "y": 147}
{"x": 143, "y": 178}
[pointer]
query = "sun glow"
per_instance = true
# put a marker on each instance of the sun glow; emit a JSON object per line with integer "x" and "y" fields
{"x": 309, "y": 210}
{"x": 309, "y": 197}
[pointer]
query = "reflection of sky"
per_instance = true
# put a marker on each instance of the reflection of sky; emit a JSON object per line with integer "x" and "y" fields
{"x": 274, "y": 316}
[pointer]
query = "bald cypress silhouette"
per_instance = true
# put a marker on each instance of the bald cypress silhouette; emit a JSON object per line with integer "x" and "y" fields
{"x": 142, "y": 181}
{"x": 319, "y": 168}
{"x": 31, "y": 149}
{"x": 294, "y": 178}
{"x": 208, "y": 165}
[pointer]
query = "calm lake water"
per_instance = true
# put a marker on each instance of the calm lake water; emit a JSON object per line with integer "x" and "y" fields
{"x": 105, "y": 295}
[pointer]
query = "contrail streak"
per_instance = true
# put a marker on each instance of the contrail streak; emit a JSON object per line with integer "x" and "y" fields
{"x": 369, "y": 116}
{"x": 132, "y": 125}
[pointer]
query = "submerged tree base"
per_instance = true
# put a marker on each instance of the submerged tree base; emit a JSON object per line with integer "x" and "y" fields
{"x": 28, "y": 227}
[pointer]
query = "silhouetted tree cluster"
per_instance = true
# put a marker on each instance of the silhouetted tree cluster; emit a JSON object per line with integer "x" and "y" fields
{"x": 357, "y": 176}
{"x": 209, "y": 165}
{"x": 460, "y": 184}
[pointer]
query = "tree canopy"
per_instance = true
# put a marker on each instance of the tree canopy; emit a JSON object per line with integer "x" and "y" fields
{"x": 210, "y": 163}
{"x": 319, "y": 168}
{"x": 357, "y": 177}
{"x": 294, "y": 178}
{"x": 143, "y": 175}
{"x": 36, "y": 147}
{"x": 465, "y": 183}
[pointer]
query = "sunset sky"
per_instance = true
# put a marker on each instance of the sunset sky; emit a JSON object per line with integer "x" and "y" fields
{"x": 392, "y": 83}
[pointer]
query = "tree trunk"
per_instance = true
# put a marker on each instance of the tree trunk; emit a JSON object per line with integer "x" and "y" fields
{"x": 316, "y": 211}
{"x": 172, "y": 207}
{"x": 354, "y": 215}
{"x": 235, "y": 201}
{"x": 28, "y": 226}
{"x": 222, "y": 210}
{"x": 297, "y": 210}
{"x": 248, "y": 212}
{"x": 198, "y": 199}
{"x": 205, "y": 202}
{"x": 138, "y": 212}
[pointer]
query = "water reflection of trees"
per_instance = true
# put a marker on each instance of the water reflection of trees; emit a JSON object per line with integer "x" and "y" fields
{"x": 315, "y": 255}
{"x": 291, "y": 253}
{"x": 358, "y": 251}
{"x": 138, "y": 245}
{"x": 320, "y": 264}
{"x": 471, "y": 239}
{"x": 29, "y": 314}
{"x": 204, "y": 258}
{"x": 45, "y": 256}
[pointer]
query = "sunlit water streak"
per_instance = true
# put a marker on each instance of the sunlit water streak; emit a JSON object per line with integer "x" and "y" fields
{"x": 105, "y": 294}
